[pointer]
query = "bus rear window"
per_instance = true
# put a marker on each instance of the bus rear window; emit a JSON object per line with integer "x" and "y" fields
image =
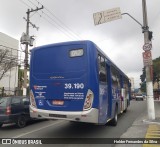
{"x": 59, "y": 59}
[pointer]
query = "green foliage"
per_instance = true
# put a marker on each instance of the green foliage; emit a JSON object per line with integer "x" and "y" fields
{"x": 143, "y": 87}
{"x": 143, "y": 76}
{"x": 156, "y": 74}
{"x": 156, "y": 69}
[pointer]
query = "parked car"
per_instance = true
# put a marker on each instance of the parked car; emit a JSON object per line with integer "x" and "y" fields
{"x": 133, "y": 96}
{"x": 139, "y": 97}
{"x": 14, "y": 110}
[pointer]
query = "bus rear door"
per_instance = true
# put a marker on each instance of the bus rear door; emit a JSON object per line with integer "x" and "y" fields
{"x": 103, "y": 90}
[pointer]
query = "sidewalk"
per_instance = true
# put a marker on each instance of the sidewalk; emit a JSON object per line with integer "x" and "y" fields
{"x": 142, "y": 128}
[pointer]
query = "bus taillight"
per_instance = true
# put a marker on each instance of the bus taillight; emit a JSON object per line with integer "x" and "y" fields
{"x": 32, "y": 100}
{"x": 88, "y": 101}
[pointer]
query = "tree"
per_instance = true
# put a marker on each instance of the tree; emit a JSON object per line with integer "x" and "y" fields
{"x": 143, "y": 86}
{"x": 156, "y": 69}
{"x": 143, "y": 82}
{"x": 7, "y": 62}
{"x": 143, "y": 76}
{"x": 156, "y": 74}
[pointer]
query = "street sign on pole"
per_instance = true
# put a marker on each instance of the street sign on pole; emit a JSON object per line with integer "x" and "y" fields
{"x": 147, "y": 58}
{"x": 147, "y": 46}
{"x": 107, "y": 16}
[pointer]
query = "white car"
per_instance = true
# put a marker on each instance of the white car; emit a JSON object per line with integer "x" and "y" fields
{"x": 139, "y": 97}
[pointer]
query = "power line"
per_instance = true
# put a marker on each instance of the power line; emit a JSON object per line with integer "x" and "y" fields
{"x": 64, "y": 32}
{"x": 58, "y": 28}
{"x": 67, "y": 34}
{"x": 58, "y": 21}
{"x": 67, "y": 31}
{"x": 25, "y": 3}
{"x": 33, "y": 3}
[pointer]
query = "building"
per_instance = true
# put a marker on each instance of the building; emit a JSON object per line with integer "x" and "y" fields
{"x": 10, "y": 79}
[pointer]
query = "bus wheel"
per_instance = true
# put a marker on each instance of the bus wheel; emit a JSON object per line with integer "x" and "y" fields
{"x": 115, "y": 119}
{"x": 125, "y": 110}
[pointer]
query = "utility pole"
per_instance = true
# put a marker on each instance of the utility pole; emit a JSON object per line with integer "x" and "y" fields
{"x": 100, "y": 18}
{"x": 27, "y": 40}
{"x": 148, "y": 67}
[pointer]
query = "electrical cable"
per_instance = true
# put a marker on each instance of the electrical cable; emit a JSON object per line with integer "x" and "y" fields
{"x": 59, "y": 23}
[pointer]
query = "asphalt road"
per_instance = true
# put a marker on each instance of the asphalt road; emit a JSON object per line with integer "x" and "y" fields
{"x": 65, "y": 129}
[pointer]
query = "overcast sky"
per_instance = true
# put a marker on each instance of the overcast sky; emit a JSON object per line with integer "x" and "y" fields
{"x": 64, "y": 20}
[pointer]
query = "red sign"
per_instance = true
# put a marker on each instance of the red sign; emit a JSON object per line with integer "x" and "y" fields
{"x": 147, "y": 55}
{"x": 147, "y": 58}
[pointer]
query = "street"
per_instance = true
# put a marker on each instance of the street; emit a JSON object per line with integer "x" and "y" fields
{"x": 65, "y": 129}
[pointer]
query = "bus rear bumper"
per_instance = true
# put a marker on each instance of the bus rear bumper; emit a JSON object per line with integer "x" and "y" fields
{"x": 90, "y": 116}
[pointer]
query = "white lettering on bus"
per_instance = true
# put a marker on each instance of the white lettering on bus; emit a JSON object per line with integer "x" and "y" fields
{"x": 74, "y": 86}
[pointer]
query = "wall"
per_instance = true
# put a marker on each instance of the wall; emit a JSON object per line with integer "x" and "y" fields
{"x": 10, "y": 80}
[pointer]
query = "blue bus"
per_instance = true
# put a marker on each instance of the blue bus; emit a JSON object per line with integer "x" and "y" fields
{"x": 76, "y": 81}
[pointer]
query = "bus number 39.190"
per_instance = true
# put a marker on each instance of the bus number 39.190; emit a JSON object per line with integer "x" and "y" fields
{"x": 74, "y": 86}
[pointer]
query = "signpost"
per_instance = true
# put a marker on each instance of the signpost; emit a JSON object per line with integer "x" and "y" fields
{"x": 147, "y": 58}
{"x": 106, "y": 16}
{"x": 147, "y": 46}
{"x": 148, "y": 68}
{"x": 114, "y": 14}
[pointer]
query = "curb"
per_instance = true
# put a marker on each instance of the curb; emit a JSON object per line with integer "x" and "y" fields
{"x": 155, "y": 121}
{"x": 150, "y": 122}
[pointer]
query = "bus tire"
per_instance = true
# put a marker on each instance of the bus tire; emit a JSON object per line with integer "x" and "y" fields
{"x": 125, "y": 110}
{"x": 115, "y": 119}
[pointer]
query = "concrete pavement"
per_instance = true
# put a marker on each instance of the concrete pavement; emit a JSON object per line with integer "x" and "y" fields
{"x": 144, "y": 128}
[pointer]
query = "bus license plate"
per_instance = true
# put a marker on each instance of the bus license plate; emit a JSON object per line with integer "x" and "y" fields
{"x": 57, "y": 102}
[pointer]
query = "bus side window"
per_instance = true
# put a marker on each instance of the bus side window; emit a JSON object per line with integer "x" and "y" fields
{"x": 115, "y": 77}
{"x": 102, "y": 69}
{"x": 99, "y": 61}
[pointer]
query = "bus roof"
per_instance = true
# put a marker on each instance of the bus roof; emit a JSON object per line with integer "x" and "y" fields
{"x": 88, "y": 42}
{"x": 63, "y": 43}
